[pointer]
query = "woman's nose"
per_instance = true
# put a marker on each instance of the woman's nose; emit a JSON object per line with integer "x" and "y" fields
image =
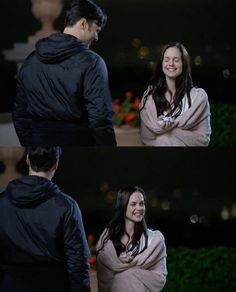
{"x": 140, "y": 207}
{"x": 171, "y": 62}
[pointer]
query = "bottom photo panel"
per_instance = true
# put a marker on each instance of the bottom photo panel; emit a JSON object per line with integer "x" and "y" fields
{"x": 117, "y": 219}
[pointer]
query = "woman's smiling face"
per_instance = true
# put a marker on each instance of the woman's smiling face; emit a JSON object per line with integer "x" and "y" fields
{"x": 172, "y": 64}
{"x": 135, "y": 210}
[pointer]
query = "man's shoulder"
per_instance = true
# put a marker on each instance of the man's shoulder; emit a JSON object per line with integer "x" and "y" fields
{"x": 4, "y": 202}
{"x": 65, "y": 198}
{"x": 30, "y": 59}
{"x": 92, "y": 56}
{"x": 2, "y": 194}
{"x": 65, "y": 201}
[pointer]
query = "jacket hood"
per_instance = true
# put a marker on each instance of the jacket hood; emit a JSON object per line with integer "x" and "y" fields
{"x": 30, "y": 191}
{"x": 58, "y": 47}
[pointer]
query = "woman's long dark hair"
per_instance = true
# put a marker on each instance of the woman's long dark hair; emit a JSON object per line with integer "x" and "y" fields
{"x": 116, "y": 226}
{"x": 157, "y": 86}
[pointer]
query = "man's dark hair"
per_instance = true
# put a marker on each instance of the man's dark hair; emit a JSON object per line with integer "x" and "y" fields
{"x": 85, "y": 9}
{"x": 43, "y": 158}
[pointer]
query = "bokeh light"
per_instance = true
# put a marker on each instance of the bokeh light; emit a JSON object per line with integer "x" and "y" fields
{"x": 194, "y": 219}
{"x": 198, "y": 60}
{"x": 136, "y": 42}
{"x": 225, "y": 214}
{"x": 144, "y": 52}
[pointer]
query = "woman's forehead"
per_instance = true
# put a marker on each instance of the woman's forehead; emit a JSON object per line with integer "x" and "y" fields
{"x": 136, "y": 196}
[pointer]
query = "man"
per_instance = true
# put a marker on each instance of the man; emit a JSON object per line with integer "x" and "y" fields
{"x": 63, "y": 95}
{"x": 43, "y": 246}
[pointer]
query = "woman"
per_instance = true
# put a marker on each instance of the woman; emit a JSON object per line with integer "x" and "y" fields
{"x": 172, "y": 111}
{"x": 130, "y": 256}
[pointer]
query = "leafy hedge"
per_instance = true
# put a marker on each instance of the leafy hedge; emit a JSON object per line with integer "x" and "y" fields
{"x": 223, "y": 123}
{"x": 201, "y": 270}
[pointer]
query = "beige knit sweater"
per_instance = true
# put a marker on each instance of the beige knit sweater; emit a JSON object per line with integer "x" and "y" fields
{"x": 190, "y": 128}
{"x": 145, "y": 273}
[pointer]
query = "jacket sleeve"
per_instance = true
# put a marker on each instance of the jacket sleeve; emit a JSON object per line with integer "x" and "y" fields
{"x": 99, "y": 103}
{"x": 19, "y": 115}
{"x": 76, "y": 250}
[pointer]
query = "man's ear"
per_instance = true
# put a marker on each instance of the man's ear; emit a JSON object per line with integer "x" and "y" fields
{"x": 83, "y": 23}
{"x": 27, "y": 160}
{"x": 55, "y": 165}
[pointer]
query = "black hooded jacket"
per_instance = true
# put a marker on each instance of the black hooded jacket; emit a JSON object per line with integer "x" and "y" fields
{"x": 63, "y": 95}
{"x": 41, "y": 236}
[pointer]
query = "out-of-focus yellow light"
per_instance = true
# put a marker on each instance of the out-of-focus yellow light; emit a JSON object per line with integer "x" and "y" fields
{"x": 136, "y": 42}
{"x": 165, "y": 205}
{"x": 151, "y": 65}
{"x": 224, "y": 214}
{"x": 104, "y": 187}
{"x": 177, "y": 193}
{"x": 233, "y": 211}
{"x": 143, "y": 52}
{"x": 154, "y": 202}
{"x": 110, "y": 197}
{"x": 198, "y": 60}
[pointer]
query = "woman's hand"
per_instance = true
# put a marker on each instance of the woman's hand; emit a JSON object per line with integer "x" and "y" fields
{"x": 165, "y": 122}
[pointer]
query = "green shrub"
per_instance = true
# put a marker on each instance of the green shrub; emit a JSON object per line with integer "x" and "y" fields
{"x": 223, "y": 123}
{"x": 201, "y": 270}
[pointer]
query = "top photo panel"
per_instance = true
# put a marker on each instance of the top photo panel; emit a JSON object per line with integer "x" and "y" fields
{"x": 117, "y": 73}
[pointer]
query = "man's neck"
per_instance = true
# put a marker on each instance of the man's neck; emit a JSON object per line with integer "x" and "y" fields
{"x": 73, "y": 31}
{"x": 48, "y": 175}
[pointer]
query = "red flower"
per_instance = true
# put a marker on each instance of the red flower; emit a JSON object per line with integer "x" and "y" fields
{"x": 90, "y": 237}
{"x": 92, "y": 259}
{"x": 130, "y": 117}
{"x": 126, "y": 110}
{"x": 129, "y": 94}
{"x": 116, "y": 101}
{"x": 116, "y": 107}
{"x": 136, "y": 102}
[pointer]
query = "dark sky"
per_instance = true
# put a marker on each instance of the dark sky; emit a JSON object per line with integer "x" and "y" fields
{"x": 195, "y": 23}
{"x": 209, "y": 169}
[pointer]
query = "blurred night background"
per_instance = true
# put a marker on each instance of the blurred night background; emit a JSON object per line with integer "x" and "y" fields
{"x": 191, "y": 199}
{"x": 131, "y": 41}
{"x": 191, "y": 193}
